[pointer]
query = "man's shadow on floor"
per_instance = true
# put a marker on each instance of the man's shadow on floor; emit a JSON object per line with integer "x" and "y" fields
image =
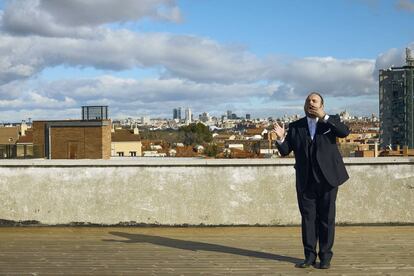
{"x": 195, "y": 246}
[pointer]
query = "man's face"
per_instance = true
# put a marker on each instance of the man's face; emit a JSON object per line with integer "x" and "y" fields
{"x": 313, "y": 102}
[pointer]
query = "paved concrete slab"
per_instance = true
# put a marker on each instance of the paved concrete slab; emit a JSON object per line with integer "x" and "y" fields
{"x": 387, "y": 250}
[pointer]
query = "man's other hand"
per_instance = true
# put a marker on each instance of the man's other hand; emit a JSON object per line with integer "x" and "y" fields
{"x": 279, "y": 130}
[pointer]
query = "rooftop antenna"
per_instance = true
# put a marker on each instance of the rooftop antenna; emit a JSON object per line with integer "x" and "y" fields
{"x": 409, "y": 59}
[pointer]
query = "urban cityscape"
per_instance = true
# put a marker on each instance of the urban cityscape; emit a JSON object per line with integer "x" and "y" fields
{"x": 184, "y": 137}
{"x": 229, "y": 136}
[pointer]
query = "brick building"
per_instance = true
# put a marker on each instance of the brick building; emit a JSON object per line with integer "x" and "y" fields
{"x": 72, "y": 139}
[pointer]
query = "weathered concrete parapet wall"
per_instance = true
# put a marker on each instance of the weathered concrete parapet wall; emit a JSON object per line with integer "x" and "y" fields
{"x": 194, "y": 191}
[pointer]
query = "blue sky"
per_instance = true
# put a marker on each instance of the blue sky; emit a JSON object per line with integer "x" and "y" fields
{"x": 340, "y": 28}
{"x": 147, "y": 57}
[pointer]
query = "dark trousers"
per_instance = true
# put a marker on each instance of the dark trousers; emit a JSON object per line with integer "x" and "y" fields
{"x": 317, "y": 208}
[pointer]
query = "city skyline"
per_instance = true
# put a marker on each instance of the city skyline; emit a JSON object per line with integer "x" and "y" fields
{"x": 194, "y": 115}
{"x": 148, "y": 57}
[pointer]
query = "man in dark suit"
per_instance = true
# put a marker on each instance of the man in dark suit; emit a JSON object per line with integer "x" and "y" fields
{"x": 319, "y": 172}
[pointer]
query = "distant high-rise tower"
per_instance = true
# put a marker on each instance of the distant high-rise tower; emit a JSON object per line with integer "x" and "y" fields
{"x": 229, "y": 113}
{"x": 248, "y": 116}
{"x": 177, "y": 113}
{"x": 188, "y": 115}
{"x": 396, "y": 104}
{"x": 145, "y": 120}
{"x": 204, "y": 117}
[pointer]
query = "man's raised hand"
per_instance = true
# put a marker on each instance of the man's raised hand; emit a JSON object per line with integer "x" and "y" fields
{"x": 318, "y": 112}
{"x": 279, "y": 130}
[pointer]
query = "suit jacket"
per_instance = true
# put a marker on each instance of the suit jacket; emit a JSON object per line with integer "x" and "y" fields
{"x": 327, "y": 154}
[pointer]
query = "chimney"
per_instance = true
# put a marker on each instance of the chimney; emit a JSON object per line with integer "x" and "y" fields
{"x": 136, "y": 131}
{"x": 409, "y": 59}
{"x": 23, "y": 128}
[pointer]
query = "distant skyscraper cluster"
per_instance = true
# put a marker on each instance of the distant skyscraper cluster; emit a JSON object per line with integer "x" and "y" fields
{"x": 231, "y": 115}
{"x": 188, "y": 116}
{"x": 203, "y": 117}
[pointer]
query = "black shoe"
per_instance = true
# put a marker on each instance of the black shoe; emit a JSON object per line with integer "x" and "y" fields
{"x": 324, "y": 265}
{"x": 306, "y": 263}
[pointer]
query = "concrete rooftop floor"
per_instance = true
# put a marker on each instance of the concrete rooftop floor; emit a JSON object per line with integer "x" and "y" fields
{"x": 358, "y": 250}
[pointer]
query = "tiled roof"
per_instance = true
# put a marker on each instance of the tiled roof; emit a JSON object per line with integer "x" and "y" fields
{"x": 254, "y": 131}
{"x": 124, "y": 135}
{"x": 28, "y": 138}
{"x": 222, "y": 136}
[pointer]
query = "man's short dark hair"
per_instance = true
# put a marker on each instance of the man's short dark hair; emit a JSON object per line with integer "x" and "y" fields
{"x": 315, "y": 93}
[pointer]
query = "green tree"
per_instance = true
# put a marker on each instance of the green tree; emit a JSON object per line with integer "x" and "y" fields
{"x": 211, "y": 150}
{"x": 196, "y": 134}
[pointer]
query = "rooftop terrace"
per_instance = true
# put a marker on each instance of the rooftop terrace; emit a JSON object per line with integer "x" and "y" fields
{"x": 182, "y": 191}
{"x": 358, "y": 251}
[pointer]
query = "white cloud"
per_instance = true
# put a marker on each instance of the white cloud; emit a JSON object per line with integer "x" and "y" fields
{"x": 154, "y": 96}
{"x": 157, "y": 96}
{"x": 32, "y": 99}
{"x": 394, "y": 57}
{"x": 151, "y": 90}
{"x": 330, "y": 76}
{"x": 187, "y": 57}
{"x": 193, "y": 71}
{"x": 184, "y": 56}
{"x": 176, "y": 56}
{"x": 405, "y": 5}
{"x": 78, "y": 18}
{"x": 98, "y": 12}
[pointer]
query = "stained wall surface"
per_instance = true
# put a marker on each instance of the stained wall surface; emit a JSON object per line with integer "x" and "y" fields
{"x": 194, "y": 191}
